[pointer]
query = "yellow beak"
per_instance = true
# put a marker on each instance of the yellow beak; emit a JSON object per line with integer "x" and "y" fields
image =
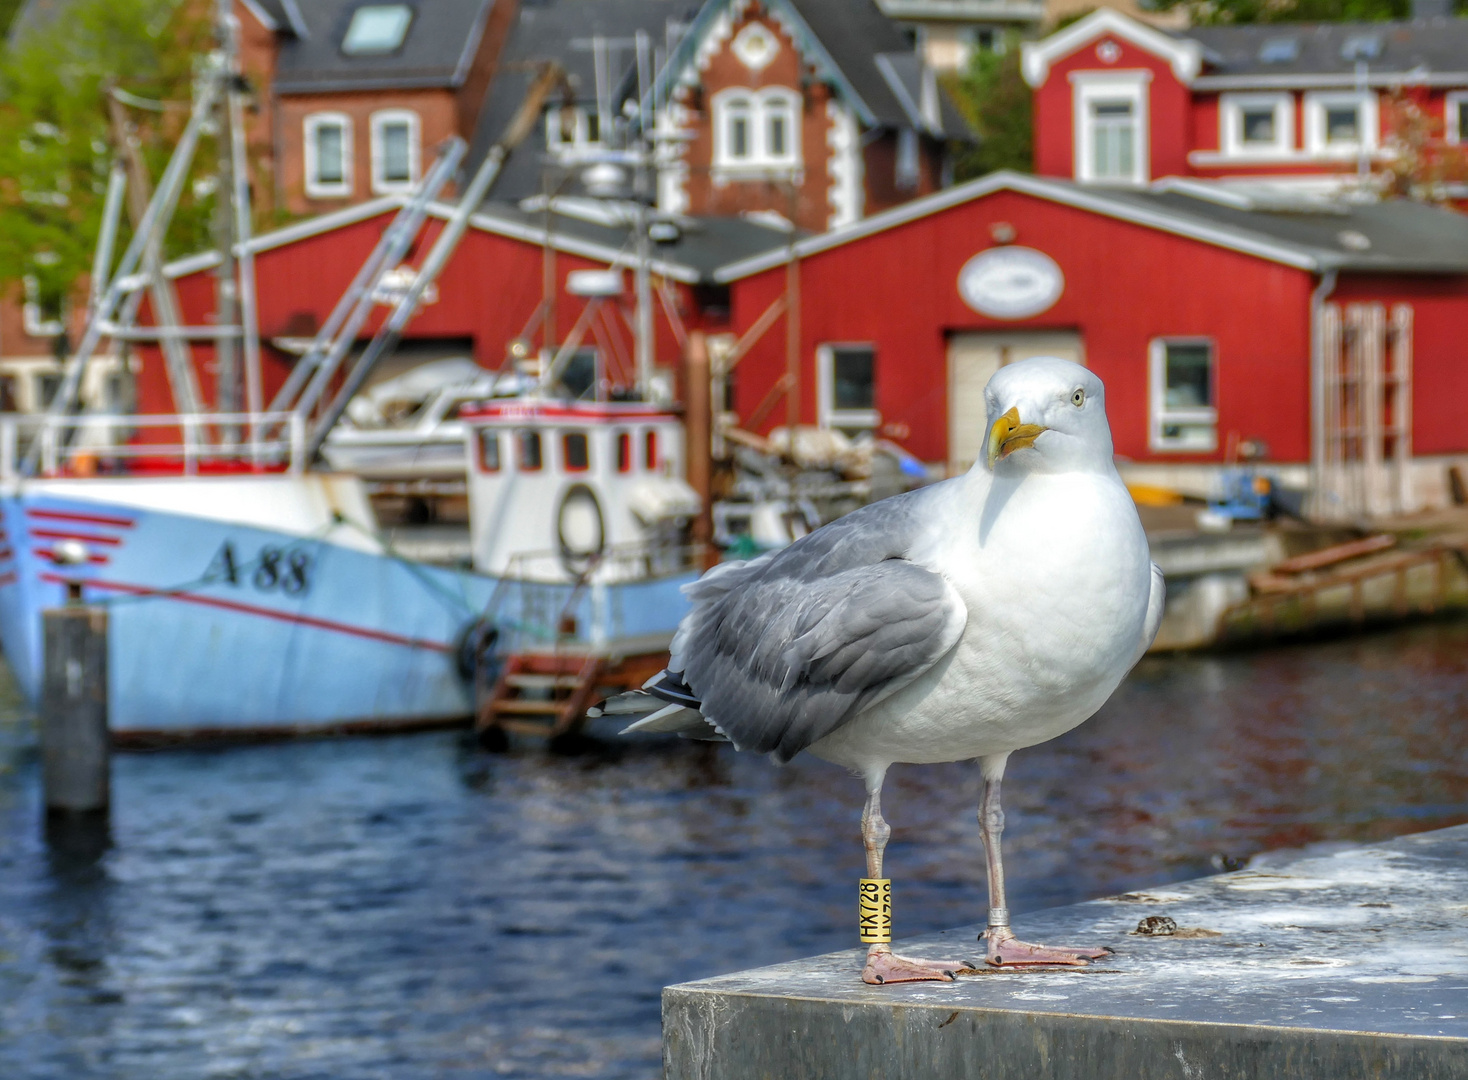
{"x": 1008, "y": 435}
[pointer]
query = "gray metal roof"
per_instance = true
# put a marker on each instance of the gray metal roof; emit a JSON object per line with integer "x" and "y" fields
{"x": 440, "y": 44}
{"x": 842, "y": 38}
{"x": 854, "y": 33}
{"x": 563, "y": 30}
{"x": 906, "y": 74}
{"x": 1435, "y": 45}
{"x": 703, "y": 244}
{"x": 1394, "y": 235}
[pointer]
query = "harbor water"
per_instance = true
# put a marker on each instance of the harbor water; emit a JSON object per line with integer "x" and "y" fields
{"x": 410, "y": 906}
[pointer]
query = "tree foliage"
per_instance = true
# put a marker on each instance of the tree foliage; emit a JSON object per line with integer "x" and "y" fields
{"x": 997, "y": 102}
{"x": 1219, "y": 12}
{"x": 1420, "y": 164}
{"x": 56, "y": 144}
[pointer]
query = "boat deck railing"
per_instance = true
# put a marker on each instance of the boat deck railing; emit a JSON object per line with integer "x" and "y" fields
{"x": 187, "y": 444}
{"x": 541, "y": 603}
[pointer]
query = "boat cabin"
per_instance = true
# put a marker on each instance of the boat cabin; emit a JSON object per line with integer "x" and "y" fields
{"x": 561, "y": 491}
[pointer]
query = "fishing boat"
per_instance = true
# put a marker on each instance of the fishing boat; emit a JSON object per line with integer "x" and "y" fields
{"x": 409, "y": 427}
{"x": 239, "y": 600}
{"x": 248, "y": 588}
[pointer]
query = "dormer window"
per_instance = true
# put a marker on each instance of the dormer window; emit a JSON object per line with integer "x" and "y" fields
{"x": 395, "y": 150}
{"x": 1114, "y": 140}
{"x": 1111, "y": 144}
{"x": 377, "y": 29}
{"x": 328, "y": 144}
{"x": 1340, "y": 123}
{"x": 756, "y": 129}
{"x": 1257, "y": 125}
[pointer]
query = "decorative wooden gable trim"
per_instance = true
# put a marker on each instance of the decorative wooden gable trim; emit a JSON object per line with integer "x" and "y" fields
{"x": 713, "y": 27}
{"x": 1185, "y": 57}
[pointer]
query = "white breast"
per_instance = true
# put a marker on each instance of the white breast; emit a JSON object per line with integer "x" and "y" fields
{"x": 1055, "y": 574}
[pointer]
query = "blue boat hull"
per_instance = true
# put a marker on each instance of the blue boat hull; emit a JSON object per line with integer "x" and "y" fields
{"x": 220, "y": 627}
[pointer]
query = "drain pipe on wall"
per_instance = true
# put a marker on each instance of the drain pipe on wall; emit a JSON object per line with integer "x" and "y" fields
{"x": 1318, "y": 296}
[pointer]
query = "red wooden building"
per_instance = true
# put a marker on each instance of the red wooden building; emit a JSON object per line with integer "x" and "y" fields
{"x": 494, "y": 293}
{"x": 1270, "y": 104}
{"x": 1324, "y": 338}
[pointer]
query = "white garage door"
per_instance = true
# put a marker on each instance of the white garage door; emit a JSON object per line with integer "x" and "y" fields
{"x": 972, "y": 359}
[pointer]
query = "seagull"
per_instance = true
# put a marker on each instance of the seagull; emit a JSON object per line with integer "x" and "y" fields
{"x": 963, "y": 620}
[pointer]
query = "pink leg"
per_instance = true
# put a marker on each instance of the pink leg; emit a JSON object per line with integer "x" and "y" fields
{"x": 883, "y": 965}
{"x": 1003, "y": 948}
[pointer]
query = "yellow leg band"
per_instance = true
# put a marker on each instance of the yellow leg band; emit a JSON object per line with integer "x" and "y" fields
{"x": 874, "y": 911}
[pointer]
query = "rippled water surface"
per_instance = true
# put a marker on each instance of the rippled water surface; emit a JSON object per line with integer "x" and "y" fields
{"x": 412, "y": 907}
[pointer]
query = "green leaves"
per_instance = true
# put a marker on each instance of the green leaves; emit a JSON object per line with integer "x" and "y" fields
{"x": 996, "y": 100}
{"x": 1214, "y": 12}
{"x": 55, "y": 142}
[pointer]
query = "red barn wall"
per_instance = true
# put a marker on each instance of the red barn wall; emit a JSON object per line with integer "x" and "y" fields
{"x": 1125, "y": 285}
{"x": 488, "y": 292}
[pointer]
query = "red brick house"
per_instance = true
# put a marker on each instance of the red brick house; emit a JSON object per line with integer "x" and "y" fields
{"x": 819, "y": 105}
{"x": 817, "y": 110}
{"x": 1283, "y": 105}
{"x": 354, "y": 96}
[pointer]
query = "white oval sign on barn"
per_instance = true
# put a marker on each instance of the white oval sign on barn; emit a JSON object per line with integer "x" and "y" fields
{"x": 1010, "y": 282}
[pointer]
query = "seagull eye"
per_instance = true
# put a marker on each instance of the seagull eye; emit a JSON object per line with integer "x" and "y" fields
{"x": 1078, "y": 398}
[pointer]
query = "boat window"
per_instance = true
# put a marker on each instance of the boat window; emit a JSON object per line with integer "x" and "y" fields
{"x": 650, "y": 450}
{"x": 529, "y": 451}
{"x": 489, "y": 449}
{"x": 624, "y": 452}
{"x": 575, "y": 451}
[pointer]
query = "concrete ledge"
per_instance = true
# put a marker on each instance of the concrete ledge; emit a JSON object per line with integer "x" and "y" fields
{"x": 1348, "y": 965}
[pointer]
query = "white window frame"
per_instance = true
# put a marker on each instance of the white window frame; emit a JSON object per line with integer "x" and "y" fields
{"x": 763, "y": 105}
{"x": 380, "y": 120}
{"x": 1159, "y": 412}
{"x": 1452, "y": 106}
{"x": 1231, "y": 108}
{"x": 315, "y": 189}
{"x": 827, "y": 415}
{"x": 1092, "y": 86}
{"x": 1316, "y": 104}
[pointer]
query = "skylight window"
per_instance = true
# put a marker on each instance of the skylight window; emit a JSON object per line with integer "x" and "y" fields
{"x": 377, "y": 29}
{"x": 1279, "y": 50}
{"x": 1361, "y": 47}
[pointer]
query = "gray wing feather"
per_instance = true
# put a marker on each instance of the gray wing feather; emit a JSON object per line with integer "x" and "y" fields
{"x": 785, "y": 649}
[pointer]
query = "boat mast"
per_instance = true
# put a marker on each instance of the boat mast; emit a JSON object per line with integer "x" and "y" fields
{"x": 641, "y": 196}
{"x": 234, "y": 280}
{"x": 219, "y": 102}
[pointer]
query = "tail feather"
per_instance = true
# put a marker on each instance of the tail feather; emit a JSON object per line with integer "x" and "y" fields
{"x": 665, "y": 705}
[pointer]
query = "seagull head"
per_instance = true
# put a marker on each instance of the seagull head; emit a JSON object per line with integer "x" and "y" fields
{"x": 1046, "y": 415}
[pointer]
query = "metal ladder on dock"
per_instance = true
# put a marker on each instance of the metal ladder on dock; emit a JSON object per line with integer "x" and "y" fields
{"x": 541, "y": 694}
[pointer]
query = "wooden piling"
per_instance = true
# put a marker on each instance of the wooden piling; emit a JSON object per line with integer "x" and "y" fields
{"x": 698, "y": 426}
{"x": 75, "y": 743}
